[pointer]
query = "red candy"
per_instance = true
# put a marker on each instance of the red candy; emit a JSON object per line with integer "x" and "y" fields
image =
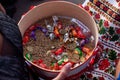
{"x": 32, "y": 28}
{"x": 80, "y": 35}
{"x": 59, "y": 51}
{"x": 56, "y": 66}
{"x": 38, "y": 61}
{"x": 79, "y": 32}
{"x": 78, "y": 28}
{"x": 42, "y": 65}
{"x": 25, "y": 40}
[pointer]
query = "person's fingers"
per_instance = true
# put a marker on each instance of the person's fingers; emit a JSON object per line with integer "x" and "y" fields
{"x": 2, "y": 9}
{"x": 64, "y": 72}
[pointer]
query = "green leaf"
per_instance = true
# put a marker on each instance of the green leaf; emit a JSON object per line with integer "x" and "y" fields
{"x": 101, "y": 23}
{"x": 111, "y": 31}
{"x": 114, "y": 38}
{"x": 112, "y": 55}
{"x": 102, "y": 30}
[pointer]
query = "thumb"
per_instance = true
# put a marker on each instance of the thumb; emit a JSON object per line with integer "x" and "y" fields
{"x": 64, "y": 72}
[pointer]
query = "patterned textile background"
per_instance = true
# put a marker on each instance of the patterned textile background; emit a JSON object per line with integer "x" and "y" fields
{"x": 106, "y": 14}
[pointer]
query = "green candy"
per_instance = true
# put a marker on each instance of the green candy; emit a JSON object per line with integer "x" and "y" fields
{"x": 52, "y": 64}
{"x": 60, "y": 61}
{"x": 28, "y": 56}
{"x": 79, "y": 52}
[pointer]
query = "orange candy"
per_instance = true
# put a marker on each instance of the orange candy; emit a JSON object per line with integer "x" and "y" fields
{"x": 56, "y": 32}
{"x": 74, "y": 32}
{"x": 86, "y": 50}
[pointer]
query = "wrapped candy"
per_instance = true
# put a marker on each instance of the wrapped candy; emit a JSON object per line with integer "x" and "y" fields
{"x": 25, "y": 40}
{"x": 80, "y": 35}
{"x": 52, "y": 36}
{"x": 66, "y": 37}
{"x": 56, "y": 66}
{"x": 82, "y": 43}
{"x": 32, "y": 28}
{"x": 56, "y": 32}
{"x": 28, "y": 56}
{"x": 50, "y": 28}
{"x": 74, "y": 32}
{"x": 59, "y": 51}
{"x": 86, "y": 50}
{"x": 78, "y": 51}
{"x": 32, "y": 35}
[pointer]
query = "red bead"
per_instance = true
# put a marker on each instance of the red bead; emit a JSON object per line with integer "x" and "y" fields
{"x": 105, "y": 8}
{"x": 98, "y": 3}
{"x": 106, "y": 24}
{"x": 97, "y": 16}
{"x": 86, "y": 8}
{"x": 118, "y": 31}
